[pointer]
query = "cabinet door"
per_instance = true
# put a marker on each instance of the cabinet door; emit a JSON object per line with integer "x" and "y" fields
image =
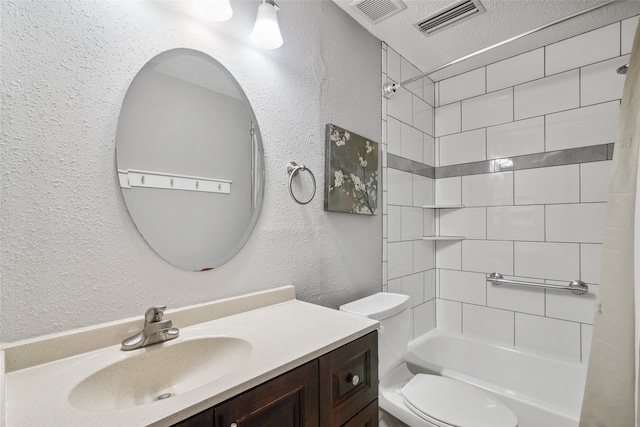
{"x": 368, "y": 417}
{"x": 348, "y": 380}
{"x": 290, "y": 400}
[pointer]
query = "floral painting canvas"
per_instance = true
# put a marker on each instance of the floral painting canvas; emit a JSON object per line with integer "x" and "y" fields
{"x": 351, "y": 173}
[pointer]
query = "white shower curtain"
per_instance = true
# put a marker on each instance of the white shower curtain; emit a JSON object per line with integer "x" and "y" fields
{"x": 610, "y": 397}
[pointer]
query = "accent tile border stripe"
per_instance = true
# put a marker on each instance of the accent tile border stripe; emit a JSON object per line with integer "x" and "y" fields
{"x": 411, "y": 166}
{"x": 595, "y": 153}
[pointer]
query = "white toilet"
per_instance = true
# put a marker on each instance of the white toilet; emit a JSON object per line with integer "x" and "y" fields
{"x": 422, "y": 400}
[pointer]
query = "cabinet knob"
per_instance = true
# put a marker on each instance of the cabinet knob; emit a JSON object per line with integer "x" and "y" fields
{"x": 353, "y": 379}
{"x": 233, "y": 425}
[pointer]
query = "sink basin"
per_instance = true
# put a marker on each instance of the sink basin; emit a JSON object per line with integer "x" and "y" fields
{"x": 160, "y": 371}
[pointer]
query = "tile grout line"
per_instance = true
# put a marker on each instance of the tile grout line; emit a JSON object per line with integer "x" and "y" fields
{"x": 514, "y": 259}
{"x": 513, "y": 196}
{"x": 580, "y": 182}
{"x": 620, "y": 41}
{"x": 580, "y": 86}
{"x": 544, "y": 132}
{"x": 461, "y": 317}
{"x": 513, "y": 104}
{"x": 581, "y": 353}
{"x": 486, "y": 143}
{"x": 579, "y": 261}
{"x": 514, "y": 328}
{"x": 486, "y": 84}
{"x": 544, "y": 223}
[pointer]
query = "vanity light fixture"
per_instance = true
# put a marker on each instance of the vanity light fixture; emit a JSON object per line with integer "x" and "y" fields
{"x": 266, "y": 33}
{"x": 213, "y": 10}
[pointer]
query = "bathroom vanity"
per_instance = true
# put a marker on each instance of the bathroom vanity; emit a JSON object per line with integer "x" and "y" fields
{"x": 262, "y": 358}
{"x": 337, "y": 389}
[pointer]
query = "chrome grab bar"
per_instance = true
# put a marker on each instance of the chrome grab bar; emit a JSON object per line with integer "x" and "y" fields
{"x": 576, "y": 287}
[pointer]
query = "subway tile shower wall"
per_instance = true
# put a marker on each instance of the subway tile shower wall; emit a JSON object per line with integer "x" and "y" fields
{"x": 408, "y": 261}
{"x": 525, "y": 146}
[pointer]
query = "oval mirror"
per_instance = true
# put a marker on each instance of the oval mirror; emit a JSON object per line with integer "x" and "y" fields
{"x": 190, "y": 159}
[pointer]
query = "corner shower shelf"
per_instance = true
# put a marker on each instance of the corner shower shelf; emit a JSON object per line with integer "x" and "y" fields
{"x": 443, "y": 238}
{"x": 438, "y": 237}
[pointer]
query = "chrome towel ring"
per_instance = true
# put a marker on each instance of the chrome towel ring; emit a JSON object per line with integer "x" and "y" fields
{"x": 293, "y": 168}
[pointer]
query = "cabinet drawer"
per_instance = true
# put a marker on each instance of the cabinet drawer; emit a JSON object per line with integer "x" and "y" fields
{"x": 290, "y": 400}
{"x": 203, "y": 419}
{"x": 348, "y": 380}
{"x": 368, "y": 417}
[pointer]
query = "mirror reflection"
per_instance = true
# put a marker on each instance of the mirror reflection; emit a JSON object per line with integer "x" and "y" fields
{"x": 190, "y": 160}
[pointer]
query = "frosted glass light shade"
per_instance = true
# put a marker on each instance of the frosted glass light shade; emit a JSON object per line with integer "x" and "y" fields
{"x": 266, "y": 33}
{"x": 213, "y": 10}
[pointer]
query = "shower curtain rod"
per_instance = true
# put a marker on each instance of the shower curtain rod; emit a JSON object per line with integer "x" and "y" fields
{"x": 486, "y": 49}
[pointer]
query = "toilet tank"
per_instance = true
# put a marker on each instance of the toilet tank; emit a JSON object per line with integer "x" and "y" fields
{"x": 392, "y": 311}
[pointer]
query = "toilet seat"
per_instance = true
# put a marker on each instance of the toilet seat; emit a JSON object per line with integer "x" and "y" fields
{"x": 447, "y": 402}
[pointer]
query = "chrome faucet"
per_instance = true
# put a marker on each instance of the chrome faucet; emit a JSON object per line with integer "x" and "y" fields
{"x": 155, "y": 330}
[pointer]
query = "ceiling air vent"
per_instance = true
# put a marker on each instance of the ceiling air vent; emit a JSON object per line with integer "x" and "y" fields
{"x": 452, "y": 14}
{"x": 377, "y": 10}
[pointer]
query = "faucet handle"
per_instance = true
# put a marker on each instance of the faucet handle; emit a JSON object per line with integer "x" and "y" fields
{"x": 154, "y": 314}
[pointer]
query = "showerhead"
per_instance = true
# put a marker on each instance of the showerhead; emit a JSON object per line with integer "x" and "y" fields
{"x": 623, "y": 69}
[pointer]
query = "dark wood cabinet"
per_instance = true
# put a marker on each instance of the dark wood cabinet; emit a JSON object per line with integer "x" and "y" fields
{"x": 339, "y": 389}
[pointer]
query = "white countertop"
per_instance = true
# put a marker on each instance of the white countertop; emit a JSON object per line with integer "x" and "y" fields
{"x": 283, "y": 336}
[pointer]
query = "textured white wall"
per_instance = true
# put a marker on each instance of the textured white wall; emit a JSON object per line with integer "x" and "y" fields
{"x": 70, "y": 254}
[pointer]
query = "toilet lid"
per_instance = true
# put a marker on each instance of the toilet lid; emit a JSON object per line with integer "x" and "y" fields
{"x": 455, "y": 403}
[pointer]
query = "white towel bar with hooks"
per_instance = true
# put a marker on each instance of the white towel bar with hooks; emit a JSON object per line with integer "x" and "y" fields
{"x": 170, "y": 181}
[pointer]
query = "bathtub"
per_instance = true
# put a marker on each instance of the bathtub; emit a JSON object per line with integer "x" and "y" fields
{"x": 542, "y": 391}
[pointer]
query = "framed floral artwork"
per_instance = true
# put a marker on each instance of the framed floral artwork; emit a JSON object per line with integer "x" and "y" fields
{"x": 351, "y": 173}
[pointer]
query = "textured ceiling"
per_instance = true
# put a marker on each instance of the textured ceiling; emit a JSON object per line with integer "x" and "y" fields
{"x": 502, "y": 20}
